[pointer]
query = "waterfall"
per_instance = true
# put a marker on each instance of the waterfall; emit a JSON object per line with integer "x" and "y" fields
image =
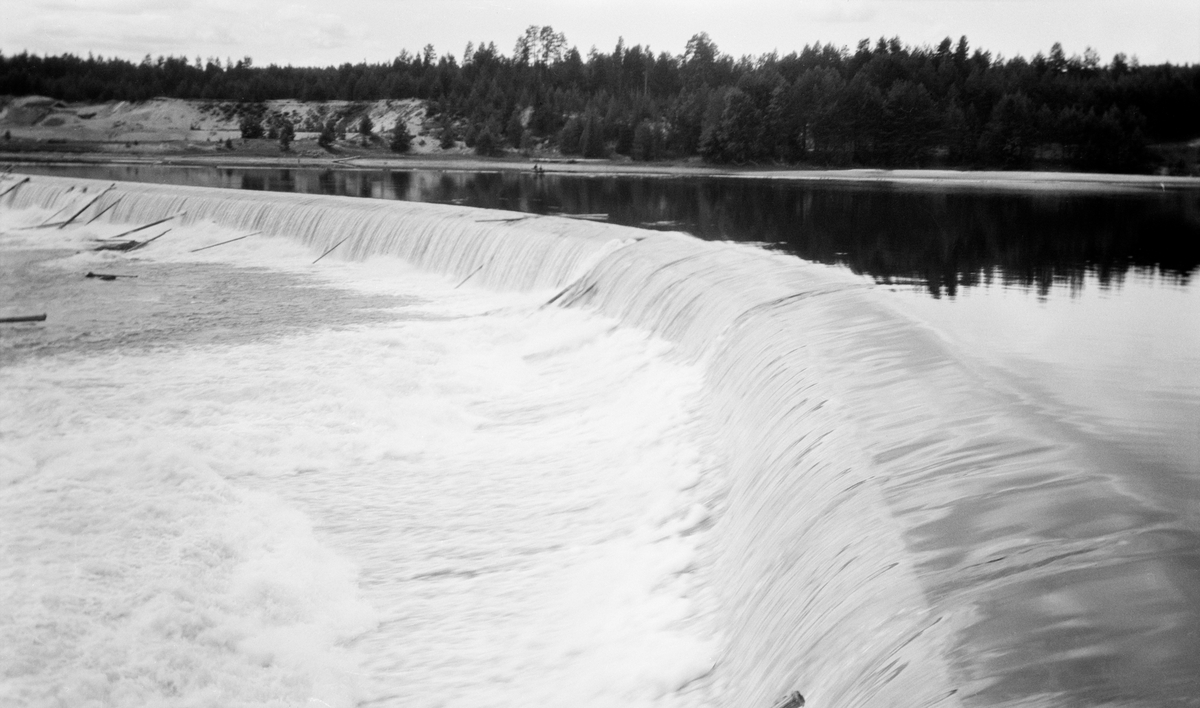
{"x": 507, "y": 250}
{"x": 814, "y": 386}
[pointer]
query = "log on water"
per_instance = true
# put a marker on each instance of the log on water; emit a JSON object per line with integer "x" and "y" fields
{"x": 142, "y": 228}
{"x": 147, "y": 241}
{"x": 222, "y": 243}
{"x": 85, "y": 207}
{"x": 105, "y": 209}
{"x": 22, "y": 318}
{"x": 107, "y": 276}
{"x": 330, "y": 250}
{"x": 41, "y": 226}
{"x": 122, "y": 246}
{"x": 13, "y": 188}
{"x": 47, "y": 221}
{"x": 472, "y": 275}
{"x": 517, "y": 218}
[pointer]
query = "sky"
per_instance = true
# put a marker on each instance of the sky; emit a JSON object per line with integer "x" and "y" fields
{"x": 311, "y": 33}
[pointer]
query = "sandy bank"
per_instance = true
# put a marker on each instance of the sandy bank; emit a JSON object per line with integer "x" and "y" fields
{"x": 166, "y": 131}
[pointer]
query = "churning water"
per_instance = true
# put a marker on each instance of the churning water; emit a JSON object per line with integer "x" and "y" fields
{"x": 467, "y": 461}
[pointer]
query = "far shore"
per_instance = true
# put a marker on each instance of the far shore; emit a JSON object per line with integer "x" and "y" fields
{"x": 1027, "y": 180}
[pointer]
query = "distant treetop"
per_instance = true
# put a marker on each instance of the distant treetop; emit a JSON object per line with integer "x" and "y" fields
{"x": 882, "y": 103}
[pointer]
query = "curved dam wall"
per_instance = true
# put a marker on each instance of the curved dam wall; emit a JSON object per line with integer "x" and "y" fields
{"x": 831, "y": 414}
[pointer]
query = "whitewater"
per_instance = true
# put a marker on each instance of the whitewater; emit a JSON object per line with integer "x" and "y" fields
{"x": 382, "y": 453}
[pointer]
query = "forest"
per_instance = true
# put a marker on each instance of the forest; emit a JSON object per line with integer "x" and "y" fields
{"x": 883, "y": 103}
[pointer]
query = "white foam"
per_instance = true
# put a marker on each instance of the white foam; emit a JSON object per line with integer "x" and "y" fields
{"x": 480, "y": 503}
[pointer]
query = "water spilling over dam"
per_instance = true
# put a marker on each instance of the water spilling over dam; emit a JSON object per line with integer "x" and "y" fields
{"x": 481, "y": 457}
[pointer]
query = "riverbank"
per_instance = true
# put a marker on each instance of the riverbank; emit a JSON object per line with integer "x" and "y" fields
{"x": 372, "y": 160}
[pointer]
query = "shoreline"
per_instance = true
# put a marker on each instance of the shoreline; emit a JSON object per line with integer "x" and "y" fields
{"x": 991, "y": 179}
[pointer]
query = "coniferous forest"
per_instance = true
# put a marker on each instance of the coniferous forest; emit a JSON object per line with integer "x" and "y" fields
{"x": 883, "y": 103}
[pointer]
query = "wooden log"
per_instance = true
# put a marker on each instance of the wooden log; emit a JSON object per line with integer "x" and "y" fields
{"x": 105, "y": 209}
{"x": 518, "y": 218}
{"x": 107, "y": 276}
{"x": 85, "y": 207}
{"x": 222, "y": 243}
{"x": 14, "y": 187}
{"x": 122, "y": 246}
{"x": 142, "y": 228}
{"x": 472, "y": 275}
{"x": 22, "y": 318}
{"x": 792, "y": 700}
{"x": 330, "y": 250}
{"x": 143, "y": 244}
{"x": 47, "y": 221}
{"x": 40, "y": 226}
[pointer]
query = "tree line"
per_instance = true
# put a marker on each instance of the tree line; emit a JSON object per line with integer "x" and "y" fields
{"x": 884, "y": 103}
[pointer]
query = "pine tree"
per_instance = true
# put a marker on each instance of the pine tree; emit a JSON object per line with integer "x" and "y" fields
{"x": 485, "y": 143}
{"x": 568, "y": 139}
{"x": 447, "y": 140}
{"x": 365, "y": 126}
{"x": 251, "y": 127}
{"x": 287, "y": 133}
{"x": 325, "y": 139}
{"x": 401, "y": 138}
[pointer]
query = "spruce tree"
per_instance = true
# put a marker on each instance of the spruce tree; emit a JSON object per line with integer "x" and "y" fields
{"x": 325, "y": 139}
{"x": 401, "y": 138}
{"x": 365, "y": 126}
{"x": 287, "y": 133}
{"x": 250, "y": 126}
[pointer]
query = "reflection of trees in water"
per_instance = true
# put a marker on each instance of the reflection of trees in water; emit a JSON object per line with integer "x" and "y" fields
{"x": 287, "y": 182}
{"x": 948, "y": 241}
{"x": 942, "y": 241}
{"x": 327, "y": 182}
{"x": 251, "y": 180}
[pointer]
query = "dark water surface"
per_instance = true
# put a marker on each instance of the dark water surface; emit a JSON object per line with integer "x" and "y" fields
{"x": 941, "y": 240}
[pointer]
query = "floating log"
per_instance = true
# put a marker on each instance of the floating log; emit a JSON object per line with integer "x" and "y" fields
{"x": 330, "y": 250}
{"x": 222, "y": 243}
{"x": 472, "y": 275}
{"x": 517, "y": 218}
{"x": 587, "y": 217}
{"x": 107, "y": 276}
{"x": 122, "y": 246}
{"x": 792, "y": 700}
{"x": 40, "y": 226}
{"x": 147, "y": 241}
{"x": 105, "y": 209}
{"x": 23, "y": 318}
{"x": 85, "y": 207}
{"x": 141, "y": 228}
{"x": 14, "y": 187}
{"x": 47, "y": 221}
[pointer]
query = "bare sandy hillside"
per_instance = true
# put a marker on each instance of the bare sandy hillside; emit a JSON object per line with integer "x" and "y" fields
{"x": 182, "y": 121}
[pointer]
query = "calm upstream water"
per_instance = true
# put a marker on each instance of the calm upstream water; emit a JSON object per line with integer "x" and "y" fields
{"x": 957, "y": 458}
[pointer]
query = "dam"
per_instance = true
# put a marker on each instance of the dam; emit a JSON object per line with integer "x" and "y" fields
{"x": 315, "y": 450}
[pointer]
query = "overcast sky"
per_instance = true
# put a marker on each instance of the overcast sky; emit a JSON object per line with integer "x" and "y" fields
{"x": 305, "y": 32}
